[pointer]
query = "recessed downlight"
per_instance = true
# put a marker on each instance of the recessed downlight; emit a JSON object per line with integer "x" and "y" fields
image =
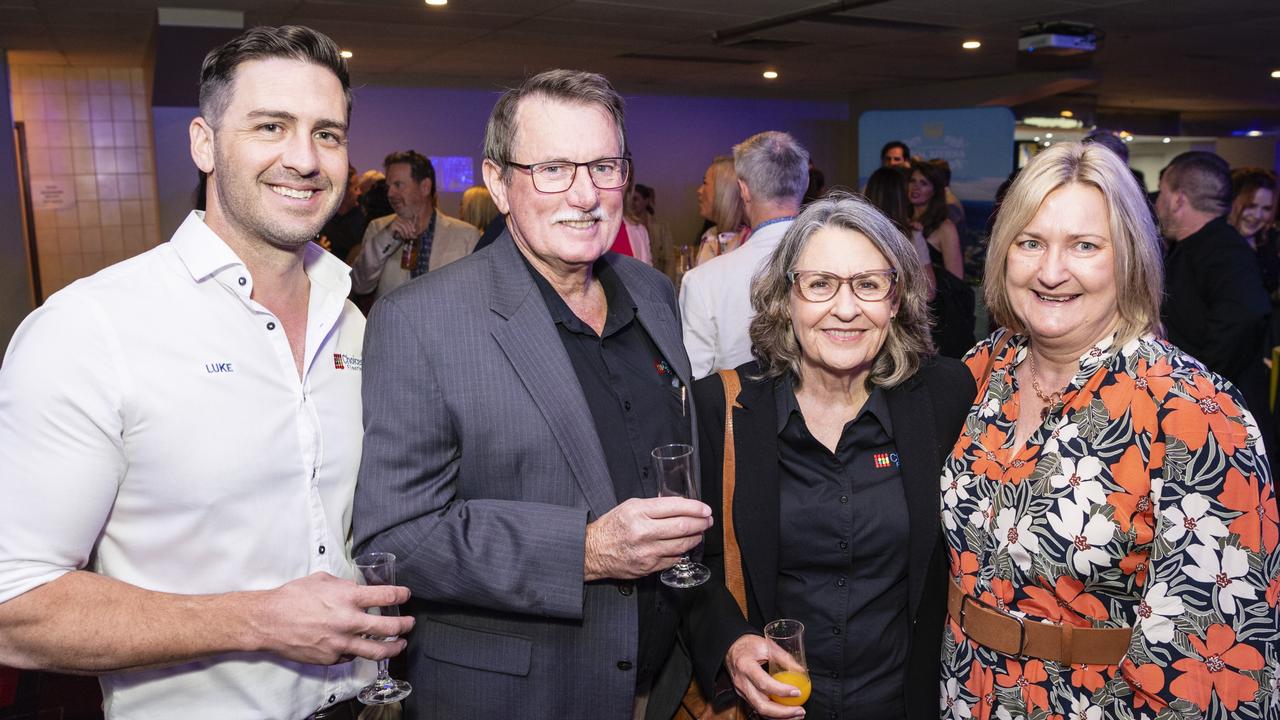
{"x": 346, "y": 54}
{"x": 770, "y": 74}
{"x": 971, "y": 44}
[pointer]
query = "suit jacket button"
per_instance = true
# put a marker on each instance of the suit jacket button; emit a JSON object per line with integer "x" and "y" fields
{"x": 624, "y": 664}
{"x": 626, "y": 589}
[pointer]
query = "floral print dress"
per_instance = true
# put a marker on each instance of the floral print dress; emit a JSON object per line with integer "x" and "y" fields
{"x": 1143, "y": 500}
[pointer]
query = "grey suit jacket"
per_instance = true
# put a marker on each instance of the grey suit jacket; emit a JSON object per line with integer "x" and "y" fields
{"x": 481, "y": 470}
{"x": 377, "y": 265}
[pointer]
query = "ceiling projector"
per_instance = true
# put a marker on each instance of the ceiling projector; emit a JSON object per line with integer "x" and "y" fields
{"x": 1058, "y": 38}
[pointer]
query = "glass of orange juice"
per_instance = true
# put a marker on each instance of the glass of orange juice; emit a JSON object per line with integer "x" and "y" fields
{"x": 786, "y": 659}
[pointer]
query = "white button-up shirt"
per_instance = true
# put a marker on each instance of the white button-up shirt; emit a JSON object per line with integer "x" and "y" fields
{"x": 153, "y": 426}
{"x": 715, "y": 302}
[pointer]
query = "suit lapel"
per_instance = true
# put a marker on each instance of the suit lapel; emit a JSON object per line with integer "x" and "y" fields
{"x": 755, "y": 497}
{"x": 916, "y": 441}
{"x": 530, "y": 341}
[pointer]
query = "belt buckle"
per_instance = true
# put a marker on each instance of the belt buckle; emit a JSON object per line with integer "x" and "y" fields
{"x": 1022, "y": 623}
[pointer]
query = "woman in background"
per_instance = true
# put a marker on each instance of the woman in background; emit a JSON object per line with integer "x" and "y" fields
{"x": 477, "y": 207}
{"x": 1253, "y": 215}
{"x": 927, "y": 189}
{"x": 720, "y": 202}
{"x": 887, "y": 190}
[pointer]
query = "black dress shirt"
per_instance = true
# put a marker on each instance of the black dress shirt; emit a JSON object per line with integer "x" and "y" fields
{"x": 637, "y": 404}
{"x": 344, "y": 232}
{"x": 842, "y": 570}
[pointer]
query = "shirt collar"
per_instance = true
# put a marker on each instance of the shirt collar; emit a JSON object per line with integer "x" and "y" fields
{"x": 206, "y": 255}
{"x": 621, "y": 308}
{"x": 877, "y": 404}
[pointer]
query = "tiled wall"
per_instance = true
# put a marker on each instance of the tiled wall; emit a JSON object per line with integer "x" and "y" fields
{"x": 90, "y": 130}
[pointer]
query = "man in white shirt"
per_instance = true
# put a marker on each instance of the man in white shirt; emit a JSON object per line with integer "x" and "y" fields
{"x": 715, "y": 297}
{"x": 180, "y": 433}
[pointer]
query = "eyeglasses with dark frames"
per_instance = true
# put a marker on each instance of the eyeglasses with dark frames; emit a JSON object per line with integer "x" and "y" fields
{"x": 557, "y": 176}
{"x": 817, "y": 286}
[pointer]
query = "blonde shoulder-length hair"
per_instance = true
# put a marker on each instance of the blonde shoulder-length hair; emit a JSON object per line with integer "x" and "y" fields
{"x": 908, "y": 341}
{"x": 1139, "y": 271}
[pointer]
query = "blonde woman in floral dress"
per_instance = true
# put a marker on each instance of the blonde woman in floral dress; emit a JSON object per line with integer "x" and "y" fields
{"x": 1108, "y": 507}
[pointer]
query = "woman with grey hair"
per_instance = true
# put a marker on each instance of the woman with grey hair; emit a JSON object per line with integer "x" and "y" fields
{"x": 841, "y": 427}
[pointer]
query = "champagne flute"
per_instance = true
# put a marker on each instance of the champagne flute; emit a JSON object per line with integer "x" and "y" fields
{"x": 674, "y": 466}
{"x": 786, "y": 659}
{"x": 379, "y": 568}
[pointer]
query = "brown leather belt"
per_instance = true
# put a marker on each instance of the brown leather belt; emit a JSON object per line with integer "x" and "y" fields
{"x": 1012, "y": 635}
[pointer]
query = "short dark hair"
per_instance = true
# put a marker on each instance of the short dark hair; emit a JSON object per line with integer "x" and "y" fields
{"x": 906, "y": 151}
{"x": 419, "y": 165}
{"x": 1110, "y": 142}
{"x": 293, "y": 42}
{"x": 1204, "y": 177}
{"x": 571, "y": 86}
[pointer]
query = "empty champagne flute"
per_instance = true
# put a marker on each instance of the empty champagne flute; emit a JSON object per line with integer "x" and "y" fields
{"x": 786, "y": 659}
{"x": 674, "y": 466}
{"x": 379, "y": 568}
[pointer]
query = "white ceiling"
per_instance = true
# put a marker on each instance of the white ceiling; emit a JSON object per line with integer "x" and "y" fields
{"x": 1173, "y": 55}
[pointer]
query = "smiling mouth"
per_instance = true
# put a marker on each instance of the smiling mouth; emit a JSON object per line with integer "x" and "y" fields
{"x": 291, "y": 193}
{"x": 1057, "y": 299}
{"x": 579, "y": 224}
{"x": 844, "y": 334}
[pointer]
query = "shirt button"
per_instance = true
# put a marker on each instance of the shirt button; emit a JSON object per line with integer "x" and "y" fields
{"x": 271, "y": 326}
{"x": 243, "y": 282}
{"x": 624, "y": 665}
{"x": 332, "y": 698}
{"x": 627, "y": 406}
{"x": 841, "y": 582}
{"x": 844, "y": 545}
{"x": 645, "y": 472}
{"x": 835, "y": 630}
{"x": 321, "y": 549}
{"x": 834, "y": 675}
{"x": 626, "y": 589}
{"x": 844, "y": 499}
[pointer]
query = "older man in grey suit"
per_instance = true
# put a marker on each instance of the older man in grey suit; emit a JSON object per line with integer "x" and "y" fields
{"x": 511, "y": 403}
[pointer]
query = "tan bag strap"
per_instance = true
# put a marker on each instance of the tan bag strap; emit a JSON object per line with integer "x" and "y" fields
{"x": 733, "y": 577}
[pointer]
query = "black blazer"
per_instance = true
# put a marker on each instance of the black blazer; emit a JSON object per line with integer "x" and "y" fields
{"x": 928, "y": 412}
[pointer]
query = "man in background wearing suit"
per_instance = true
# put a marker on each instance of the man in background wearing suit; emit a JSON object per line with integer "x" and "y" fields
{"x": 417, "y": 238}
{"x": 511, "y": 401}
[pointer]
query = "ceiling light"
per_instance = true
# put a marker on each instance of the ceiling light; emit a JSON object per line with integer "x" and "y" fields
{"x": 437, "y": 2}
{"x": 1048, "y": 135}
{"x": 1129, "y": 139}
{"x": 1036, "y": 138}
{"x": 1254, "y": 133}
{"x": 1275, "y": 74}
{"x": 1047, "y": 143}
{"x": 1067, "y": 114}
{"x": 970, "y": 44}
{"x": 1166, "y": 141}
{"x": 770, "y": 74}
{"x": 346, "y": 54}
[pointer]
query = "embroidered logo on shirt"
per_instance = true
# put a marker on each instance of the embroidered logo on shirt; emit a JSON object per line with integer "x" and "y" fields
{"x": 212, "y": 368}
{"x": 884, "y": 460}
{"x": 346, "y": 362}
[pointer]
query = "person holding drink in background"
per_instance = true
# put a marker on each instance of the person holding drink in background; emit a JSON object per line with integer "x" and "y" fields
{"x": 1108, "y": 508}
{"x": 839, "y": 433}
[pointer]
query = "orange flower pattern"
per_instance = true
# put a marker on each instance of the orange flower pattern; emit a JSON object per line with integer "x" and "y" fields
{"x": 1143, "y": 500}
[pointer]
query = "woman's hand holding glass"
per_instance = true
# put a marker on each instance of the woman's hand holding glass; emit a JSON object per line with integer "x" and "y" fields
{"x": 754, "y": 662}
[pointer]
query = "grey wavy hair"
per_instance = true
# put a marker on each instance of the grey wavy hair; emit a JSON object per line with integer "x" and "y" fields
{"x": 908, "y": 341}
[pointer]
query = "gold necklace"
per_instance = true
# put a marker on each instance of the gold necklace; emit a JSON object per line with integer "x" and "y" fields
{"x": 1049, "y": 400}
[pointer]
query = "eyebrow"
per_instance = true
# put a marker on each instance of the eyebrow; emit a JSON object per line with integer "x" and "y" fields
{"x": 323, "y": 123}
{"x": 1072, "y": 236}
